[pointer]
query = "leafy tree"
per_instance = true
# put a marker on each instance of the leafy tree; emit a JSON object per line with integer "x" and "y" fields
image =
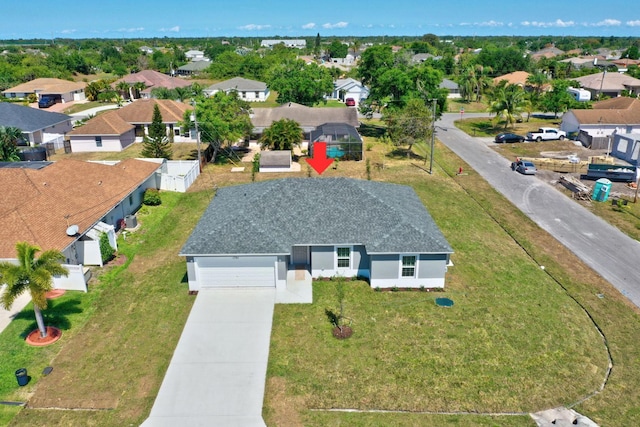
{"x": 393, "y": 87}
{"x": 223, "y": 119}
{"x": 507, "y": 103}
{"x": 558, "y": 99}
{"x": 297, "y": 82}
{"x": 503, "y": 60}
{"x": 9, "y": 138}
{"x": 156, "y": 144}
{"x": 410, "y": 125}
{"x": 337, "y": 49}
{"x": 282, "y": 135}
{"x": 31, "y": 274}
{"x": 106, "y": 250}
{"x": 373, "y": 62}
{"x": 632, "y": 53}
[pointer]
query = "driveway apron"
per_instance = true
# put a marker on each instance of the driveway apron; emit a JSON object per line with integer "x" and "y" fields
{"x": 217, "y": 374}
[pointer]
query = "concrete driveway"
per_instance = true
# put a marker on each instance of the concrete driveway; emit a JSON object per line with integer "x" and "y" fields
{"x": 607, "y": 250}
{"x": 218, "y": 371}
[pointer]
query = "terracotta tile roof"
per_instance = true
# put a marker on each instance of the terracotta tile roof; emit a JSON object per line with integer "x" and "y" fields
{"x": 54, "y": 86}
{"x": 36, "y": 202}
{"x": 109, "y": 123}
{"x": 153, "y": 79}
{"x": 618, "y": 111}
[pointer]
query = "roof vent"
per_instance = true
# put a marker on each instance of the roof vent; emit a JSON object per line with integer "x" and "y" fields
{"x": 72, "y": 230}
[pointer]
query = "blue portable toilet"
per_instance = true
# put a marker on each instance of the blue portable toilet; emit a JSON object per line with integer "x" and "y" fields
{"x": 601, "y": 190}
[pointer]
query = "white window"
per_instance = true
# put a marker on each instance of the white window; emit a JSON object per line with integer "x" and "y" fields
{"x": 343, "y": 257}
{"x": 408, "y": 266}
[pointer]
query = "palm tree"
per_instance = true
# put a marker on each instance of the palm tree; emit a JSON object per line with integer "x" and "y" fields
{"x": 33, "y": 275}
{"x": 537, "y": 80}
{"x": 123, "y": 88}
{"x": 9, "y": 138}
{"x": 139, "y": 87}
{"x": 508, "y": 103}
{"x": 282, "y": 135}
{"x": 468, "y": 83}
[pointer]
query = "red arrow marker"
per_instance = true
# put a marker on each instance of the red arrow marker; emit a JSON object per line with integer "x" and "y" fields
{"x": 320, "y": 162}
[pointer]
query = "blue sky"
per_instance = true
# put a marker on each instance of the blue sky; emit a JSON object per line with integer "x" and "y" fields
{"x": 264, "y": 18}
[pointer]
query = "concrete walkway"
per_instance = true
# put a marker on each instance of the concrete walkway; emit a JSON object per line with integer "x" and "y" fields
{"x": 218, "y": 371}
{"x": 6, "y": 316}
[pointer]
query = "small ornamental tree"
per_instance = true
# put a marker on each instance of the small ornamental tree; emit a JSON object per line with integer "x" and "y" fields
{"x": 283, "y": 134}
{"x": 106, "y": 250}
{"x": 156, "y": 144}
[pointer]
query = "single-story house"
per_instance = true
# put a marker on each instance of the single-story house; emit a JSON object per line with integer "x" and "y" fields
{"x": 117, "y": 129}
{"x": 343, "y": 140}
{"x": 195, "y": 55}
{"x": 419, "y": 58}
{"x": 61, "y": 90}
{"x": 146, "y": 49}
{"x": 247, "y": 90}
{"x": 453, "y": 89}
{"x": 57, "y": 205}
{"x": 609, "y": 84}
{"x": 349, "y": 88}
{"x": 309, "y": 118}
{"x": 193, "y": 68}
{"x": 626, "y": 146}
{"x": 547, "y": 52}
{"x": 516, "y": 78}
{"x": 151, "y": 79}
{"x": 275, "y": 161}
{"x": 328, "y": 226}
{"x": 297, "y": 43}
{"x": 614, "y": 115}
{"x": 38, "y": 126}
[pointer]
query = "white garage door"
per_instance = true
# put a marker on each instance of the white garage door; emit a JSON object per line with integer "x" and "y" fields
{"x": 233, "y": 272}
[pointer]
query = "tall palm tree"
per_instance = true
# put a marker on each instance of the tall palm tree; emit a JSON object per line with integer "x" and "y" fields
{"x": 139, "y": 87}
{"x": 9, "y": 138}
{"x": 31, "y": 274}
{"x": 123, "y": 87}
{"x": 537, "y": 80}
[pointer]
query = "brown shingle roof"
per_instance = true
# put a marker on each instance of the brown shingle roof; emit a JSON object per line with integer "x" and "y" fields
{"x": 109, "y": 123}
{"x": 38, "y": 205}
{"x": 515, "y": 78}
{"x": 52, "y": 86}
{"x": 141, "y": 111}
{"x": 618, "y": 111}
{"x": 607, "y": 82}
{"x": 306, "y": 117}
{"x": 153, "y": 79}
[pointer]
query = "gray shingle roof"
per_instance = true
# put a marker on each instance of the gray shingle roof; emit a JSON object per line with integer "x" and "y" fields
{"x": 240, "y": 84}
{"x": 28, "y": 119}
{"x": 269, "y": 217}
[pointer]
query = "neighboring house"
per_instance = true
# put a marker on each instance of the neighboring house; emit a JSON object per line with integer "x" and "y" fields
{"x": 612, "y": 116}
{"x": 609, "y": 84}
{"x": 295, "y": 43}
{"x": 66, "y": 205}
{"x": 627, "y": 147}
{"x": 309, "y": 118}
{"x": 578, "y": 63}
{"x": 117, "y": 129}
{"x": 547, "y": 52}
{"x": 516, "y": 78}
{"x": 347, "y": 60}
{"x": 152, "y": 79}
{"x": 193, "y": 68}
{"x": 328, "y": 226}
{"x": 247, "y": 90}
{"x": 275, "y": 161}
{"x": 60, "y": 90}
{"x": 38, "y": 126}
{"x": 349, "y": 88}
{"x": 343, "y": 141}
{"x": 453, "y": 90}
{"x": 419, "y": 58}
{"x": 146, "y": 49}
{"x": 195, "y": 55}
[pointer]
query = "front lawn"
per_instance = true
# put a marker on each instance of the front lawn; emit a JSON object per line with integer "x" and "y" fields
{"x": 484, "y": 126}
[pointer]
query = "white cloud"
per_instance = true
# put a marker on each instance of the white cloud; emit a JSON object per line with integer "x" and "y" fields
{"x": 130, "y": 30}
{"x": 608, "y": 23}
{"x": 67, "y": 31}
{"x": 309, "y": 26}
{"x": 557, "y": 23}
{"x": 635, "y": 23}
{"x": 175, "y": 29}
{"x": 254, "y": 27}
{"x": 330, "y": 26}
{"x": 491, "y": 23}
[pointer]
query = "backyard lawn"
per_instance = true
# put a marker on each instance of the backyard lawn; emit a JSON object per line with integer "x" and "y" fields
{"x": 518, "y": 338}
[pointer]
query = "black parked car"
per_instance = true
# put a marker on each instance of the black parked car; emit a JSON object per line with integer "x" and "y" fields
{"x": 508, "y": 137}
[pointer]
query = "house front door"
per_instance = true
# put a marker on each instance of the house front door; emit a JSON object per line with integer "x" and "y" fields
{"x": 300, "y": 255}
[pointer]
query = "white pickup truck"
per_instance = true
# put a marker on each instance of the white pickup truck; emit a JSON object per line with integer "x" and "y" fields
{"x": 546, "y": 134}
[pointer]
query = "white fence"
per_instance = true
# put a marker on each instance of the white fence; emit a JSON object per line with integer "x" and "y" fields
{"x": 178, "y": 175}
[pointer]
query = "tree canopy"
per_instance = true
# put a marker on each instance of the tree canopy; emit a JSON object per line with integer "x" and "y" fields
{"x": 156, "y": 144}
{"x": 282, "y": 135}
{"x": 410, "y": 125}
{"x": 298, "y": 82}
{"x": 9, "y": 139}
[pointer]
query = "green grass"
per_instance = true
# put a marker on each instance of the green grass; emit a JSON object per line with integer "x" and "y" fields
{"x": 482, "y": 126}
{"x": 76, "y": 108}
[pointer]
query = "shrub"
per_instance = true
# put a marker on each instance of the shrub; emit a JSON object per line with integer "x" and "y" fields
{"x": 106, "y": 250}
{"x": 152, "y": 197}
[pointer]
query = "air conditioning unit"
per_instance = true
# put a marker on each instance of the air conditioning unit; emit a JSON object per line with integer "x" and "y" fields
{"x": 131, "y": 221}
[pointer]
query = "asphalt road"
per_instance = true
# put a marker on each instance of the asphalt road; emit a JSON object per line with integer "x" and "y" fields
{"x": 611, "y": 253}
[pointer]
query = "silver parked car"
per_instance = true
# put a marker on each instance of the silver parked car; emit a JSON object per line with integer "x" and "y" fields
{"x": 524, "y": 167}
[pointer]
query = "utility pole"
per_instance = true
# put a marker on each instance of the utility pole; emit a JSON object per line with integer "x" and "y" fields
{"x": 433, "y": 133}
{"x": 195, "y": 120}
